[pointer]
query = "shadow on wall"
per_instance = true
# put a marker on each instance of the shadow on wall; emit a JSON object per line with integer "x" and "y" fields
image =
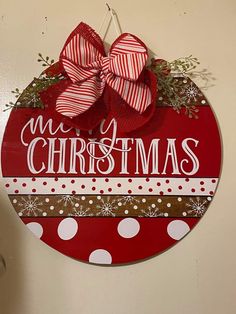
{"x": 11, "y": 264}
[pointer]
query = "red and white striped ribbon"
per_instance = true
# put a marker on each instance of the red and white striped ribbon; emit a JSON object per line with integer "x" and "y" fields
{"x": 89, "y": 70}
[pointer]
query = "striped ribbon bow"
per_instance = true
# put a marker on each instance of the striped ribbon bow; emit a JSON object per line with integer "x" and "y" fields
{"x": 89, "y": 70}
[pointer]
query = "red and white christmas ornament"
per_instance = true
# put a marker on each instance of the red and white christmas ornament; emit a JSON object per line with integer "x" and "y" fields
{"x": 103, "y": 174}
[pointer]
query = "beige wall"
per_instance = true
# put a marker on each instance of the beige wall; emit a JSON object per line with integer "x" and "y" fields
{"x": 198, "y": 275}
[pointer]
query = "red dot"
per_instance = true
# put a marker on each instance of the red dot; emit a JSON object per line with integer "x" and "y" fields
{"x": 56, "y": 178}
{"x": 33, "y": 190}
{"x": 7, "y": 185}
{"x": 211, "y": 192}
{"x": 129, "y": 191}
{"x": 23, "y": 184}
{"x": 14, "y": 180}
{"x": 202, "y": 189}
{"x": 101, "y": 191}
{"x": 45, "y": 183}
{"x": 33, "y": 179}
{"x": 167, "y": 181}
{"x": 72, "y": 181}
{"x": 180, "y": 187}
{"x": 201, "y": 182}
{"x": 193, "y": 190}
{"x": 63, "y": 186}
{"x": 187, "y": 179}
{"x": 147, "y": 179}
{"x": 161, "y": 193}
{"x": 158, "y": 183}
{"x": 73, "y": 192}
{"x": 140, "y": 187}
{"x": 94, "y": 180}
{"x": 119, "y": 185}
{"x": 169, "y": 190}
{"x": 93, "y": 188}
{"x": 82, "y": 186}
{"x": 53, "y": 190}
{"x": 107, "y": 180}
{"x": 130, "y": 180}
{"x": 150, "y": 190}
{"x": 110, "y": 189}
{"x": 213, "y": 181}
{"x": 16, "y": 191}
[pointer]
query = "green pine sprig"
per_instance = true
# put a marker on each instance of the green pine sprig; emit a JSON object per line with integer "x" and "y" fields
{"x": 171, "y": 86}
{"x": 45, "y": 61}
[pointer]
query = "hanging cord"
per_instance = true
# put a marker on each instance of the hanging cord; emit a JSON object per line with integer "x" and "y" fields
{"x": 113, "y": 18}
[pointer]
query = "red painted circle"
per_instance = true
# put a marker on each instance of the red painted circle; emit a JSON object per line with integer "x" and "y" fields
{"x": 75, "y": 205}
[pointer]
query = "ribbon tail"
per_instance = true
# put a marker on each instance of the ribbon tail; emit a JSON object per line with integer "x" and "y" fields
{"x": 78, "y": 98}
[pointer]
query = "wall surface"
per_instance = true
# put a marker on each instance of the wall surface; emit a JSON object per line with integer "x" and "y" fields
{"x": 196, "y": 276}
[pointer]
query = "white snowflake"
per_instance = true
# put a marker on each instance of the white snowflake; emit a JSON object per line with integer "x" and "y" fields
{"x": 34, "y": 100}
{"x": 197, "y": 206}
{"x": 106, "y": 207}
{"x": 151, "y": 212}
{"x": 191, "y": 92}
{"x": 68, "y": 199}
{"x": 128, "y": 199}
{"x": 30, "y": 206}
{"x": 80, "y": 211}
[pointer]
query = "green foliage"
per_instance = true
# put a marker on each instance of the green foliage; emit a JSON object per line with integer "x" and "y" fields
{"x": 184, "y": 65}
{"x": 45, "y": 61}
{"x": 171, "y": 86}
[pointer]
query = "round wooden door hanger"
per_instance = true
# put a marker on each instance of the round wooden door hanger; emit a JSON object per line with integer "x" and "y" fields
{"x": 108, "y": 196}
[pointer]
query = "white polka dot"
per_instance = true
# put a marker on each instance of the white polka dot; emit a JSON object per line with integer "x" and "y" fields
{"x": 209, "y": 199}
{"x": 76, "y": 204}
{"x": 185, "y": 81}
{"x": 36, "y": 228}
{"x": 83, "y": 198}
{"x": 90, "y": 201}
{"x": 126, "y": 211}
{"x": 177, "y": 229}
{"x": 14, "y": 201}
{"x": 179, "y": 199}
{"x": 99, "y": 197}
{"x": 51, "y": 207}
{"x": 119, "y": 204}
{"x": 168, "y": 204}
{"x": 128, "y": 228}
{"x": 184, "y": 213}
{"x": 20, "y": 214}
{"x": 67, "y": 228}
{"x": 153, "y": 205}
{"x": 47, "y": 200}
{"x": 159, "y": 200}
{"x": 203, "y": 101}
{"x": 135, "y": 207}
{"x": 144, "y": 200}
{"x": 160, "y": 98}
{"x": 100, "y": 256}
{"x": 44, "y": 214}
{"x": 166, "y": 214}
{"x": 61, "y": 212}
